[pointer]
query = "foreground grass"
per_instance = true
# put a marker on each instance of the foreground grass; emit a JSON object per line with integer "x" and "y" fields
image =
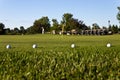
{"x": 54, "y": 59}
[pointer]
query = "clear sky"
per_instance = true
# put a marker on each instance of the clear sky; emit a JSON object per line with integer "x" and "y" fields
{"x": 16, "y": 13}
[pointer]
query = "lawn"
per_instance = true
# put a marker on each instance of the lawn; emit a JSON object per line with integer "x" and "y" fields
{"x": 55, "y": 59}
{"x": 57, "y": 41}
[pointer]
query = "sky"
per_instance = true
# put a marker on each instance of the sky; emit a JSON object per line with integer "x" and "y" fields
{"x": 16, "y": 13}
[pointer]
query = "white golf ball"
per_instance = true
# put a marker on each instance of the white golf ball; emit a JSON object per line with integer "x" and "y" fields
{"x": 34, "y": 46}
{"x": 108, "y": 45}
{"x": 8, "y": 46}
{"x": 72, "y": 45}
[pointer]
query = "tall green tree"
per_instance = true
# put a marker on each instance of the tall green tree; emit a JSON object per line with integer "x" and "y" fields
{"x": 45, "y": 23}
{"x": 66, "y": 21}
{"x": 110, "y": 28}
{"x": 2, "y": 26}
{"x": 67, "y": 17}
{"x": 30, "y": 30}
{"x": 76, "y": 24}
{"x": 95, "y": 26}
{"x": 22, "y": 30}
{"x": 118, "y": 17}
{"x": 16, "y": 31}
{"x": 82, "y": 25}
{"x": 115, "y": 29}
{"x": 118, "y": 14}
{"x": 41, "y": 23}
{"x": 55, "y": 25}
{"x": 7, "y": 31}
{"x": 73, "y": 24}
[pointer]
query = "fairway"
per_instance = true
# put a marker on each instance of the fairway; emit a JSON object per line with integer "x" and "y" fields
{"x": 54, "y": 59}
{"x": 57, "y": 41}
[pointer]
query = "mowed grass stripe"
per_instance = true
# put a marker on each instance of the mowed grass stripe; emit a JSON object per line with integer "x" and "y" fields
{"x": 49, "y": 41}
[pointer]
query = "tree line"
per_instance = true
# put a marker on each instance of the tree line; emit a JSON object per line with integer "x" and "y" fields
{"x": 67, "y": 24}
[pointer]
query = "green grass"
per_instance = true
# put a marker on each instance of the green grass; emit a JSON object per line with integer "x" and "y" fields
{"x": 54, "y": 59}
{"x": 51, "y": 41}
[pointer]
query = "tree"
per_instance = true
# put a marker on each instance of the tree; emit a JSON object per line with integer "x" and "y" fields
{"x": 30, "y": 30}
{"x": 2, "y": 26}
{"x": 115, "y": 29}
{"x": 16, "y": 31}
{"x": 95, "y": 26}
{"x": 66, "y": 21}
{"x": 118, "y": 14}
{"x": 110, "y": 28}
{"x": 45, "y": 23}
{"x": 66, "y": 17}
{"x": 82, "y": 25}
{"x": 22, "y": 30}
{"x": 55, "y": 25}
{"x": 73, "y": 24}
{"x": 7, "y": 31}
{"x": 118, "y": 17}
{"x": 41, "y": 23}
{"x": 77, "y": 24}
{"x": 70, "y": 23}
{"x": 36, "y": 28}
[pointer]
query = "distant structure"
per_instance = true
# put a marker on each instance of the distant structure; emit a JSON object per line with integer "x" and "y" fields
{"x": 94, "y": 32}
{"x": 43, "y": 31}
{"x": 87, "y": 32}
{"x": 53, "y": 32}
